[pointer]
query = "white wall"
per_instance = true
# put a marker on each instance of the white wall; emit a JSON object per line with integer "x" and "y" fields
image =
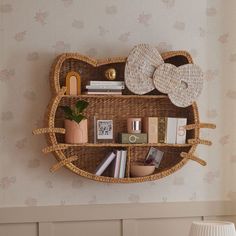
{"x": 33, "y": 32}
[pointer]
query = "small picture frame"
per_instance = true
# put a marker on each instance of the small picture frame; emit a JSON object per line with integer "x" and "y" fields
{"x": 104, "y": 129}
{"x": 154, "y": 157}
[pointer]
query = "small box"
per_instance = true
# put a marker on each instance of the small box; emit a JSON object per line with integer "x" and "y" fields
{"x": 133, "y": 138}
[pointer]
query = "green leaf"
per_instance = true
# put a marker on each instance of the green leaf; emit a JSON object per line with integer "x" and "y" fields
{"x": 79, "y": 118}
{"x": 68, "y": 112}
{"x": 81, "y": 105}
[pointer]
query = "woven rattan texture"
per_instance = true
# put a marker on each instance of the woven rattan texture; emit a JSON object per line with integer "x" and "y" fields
{"x": 118, "y": 108}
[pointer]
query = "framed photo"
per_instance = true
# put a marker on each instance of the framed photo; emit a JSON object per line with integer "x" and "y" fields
{"x": 154, "y": 157}
{"x": 104, "y": 129}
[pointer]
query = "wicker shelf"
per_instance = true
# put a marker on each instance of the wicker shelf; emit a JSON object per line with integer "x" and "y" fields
{"x": 126, "y": 145}
{"x": 123, "y": 96}
{"x": 119, "y": 107}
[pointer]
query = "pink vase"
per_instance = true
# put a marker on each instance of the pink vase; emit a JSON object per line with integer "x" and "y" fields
{"x": 76, "y": 133}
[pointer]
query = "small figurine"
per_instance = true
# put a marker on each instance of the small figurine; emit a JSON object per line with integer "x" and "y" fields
{"x": 110, "y": 74}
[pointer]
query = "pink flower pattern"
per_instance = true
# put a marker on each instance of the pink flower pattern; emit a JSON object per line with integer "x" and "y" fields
{"x": 61, "y": 46}
{"x": 124, "y": 37}
{"x": 41, "y": 17}
{"x": 144, "y": 19}
{"x": 6, "y": 182}
{"x": 7, "y": 74}
{"x": 20, "y": 36}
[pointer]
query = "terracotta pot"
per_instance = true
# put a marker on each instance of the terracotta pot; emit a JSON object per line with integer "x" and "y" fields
{"x": 76, "y": 133}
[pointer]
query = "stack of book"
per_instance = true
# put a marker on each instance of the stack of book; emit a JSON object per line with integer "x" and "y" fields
{"x": 165, "y": 130}
{"x": 105, "y": 87}
{"x": 117, "y": 160}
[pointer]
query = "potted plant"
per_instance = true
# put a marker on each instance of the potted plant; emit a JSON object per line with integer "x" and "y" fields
{"x": 76, "y": 124}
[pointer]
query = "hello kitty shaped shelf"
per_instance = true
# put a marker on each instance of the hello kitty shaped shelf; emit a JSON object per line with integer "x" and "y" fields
{"x": 83, "y": 159}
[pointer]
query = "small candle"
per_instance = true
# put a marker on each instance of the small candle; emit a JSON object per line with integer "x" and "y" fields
{"x": 134, "y": 125}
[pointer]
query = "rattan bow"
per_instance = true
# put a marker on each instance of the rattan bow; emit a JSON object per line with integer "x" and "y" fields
{"x": 145, "y": 70}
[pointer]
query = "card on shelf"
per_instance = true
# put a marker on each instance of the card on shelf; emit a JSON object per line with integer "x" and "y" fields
{"x": 154, "y": 157}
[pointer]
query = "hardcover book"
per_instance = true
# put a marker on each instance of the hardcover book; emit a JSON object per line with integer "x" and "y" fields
{"x": 150, "y": 127}
{"x": 123, "y": 163}
{"x": 116, "y": 164}
{"x": 105, "y": 163}
{"x": 105, "y": 82}
{"x": 161, "y": 125}
{"x": 171, "y": 130}
{"x": 181, "y": 131}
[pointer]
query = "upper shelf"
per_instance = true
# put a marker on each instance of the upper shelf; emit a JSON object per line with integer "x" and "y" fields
{"x": 115, "y": 96}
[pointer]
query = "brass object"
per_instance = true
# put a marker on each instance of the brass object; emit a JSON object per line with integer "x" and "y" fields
{"x": 110, "y": 74}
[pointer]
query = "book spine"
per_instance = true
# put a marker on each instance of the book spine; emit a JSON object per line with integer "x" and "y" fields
{"x": 111, "y": 93}
{"x": 105, "y": 163}
{"x": 117, "y": 164}
{"x": 116, "y": 83}
{"x": 180, "y": 131}
{"x": 161, "y": 124}
{"x": 171, "y": 130}
{"x": 150, "y": 127}
{"x": 123, "y": 163}
{"x": 114, "y": 87}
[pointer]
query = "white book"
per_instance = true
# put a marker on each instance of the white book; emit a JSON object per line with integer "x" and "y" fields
{"x": 117, "y": 164}
{"x": 181, "y": 131}
{"x": 119, "y": 83}
{"x": 105, "y": 163}
{"x": 111, "y": 87}
{"x": 111, "y": 93}
{"x": 123, "y": 163}
{"x": 171, "y": 130}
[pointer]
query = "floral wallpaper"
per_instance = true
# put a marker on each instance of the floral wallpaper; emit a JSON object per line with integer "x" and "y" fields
{"x": 33, "y": 32}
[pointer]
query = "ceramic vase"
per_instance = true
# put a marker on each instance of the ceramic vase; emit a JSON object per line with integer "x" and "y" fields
{"x": 76, "y": 133}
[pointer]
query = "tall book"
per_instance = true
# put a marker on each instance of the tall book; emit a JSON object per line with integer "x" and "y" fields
{"x": 171, "y": 130}
{"x": 161, "y": 125}
{"x": 123, "y": 163}
{"x": 105, "y": 163}
{"x": 150, "y": 127}
{"x": 181, "y": 131}
{"x": 116, "y": 164}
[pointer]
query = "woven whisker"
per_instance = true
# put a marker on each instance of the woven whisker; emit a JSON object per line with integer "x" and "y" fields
{"x": 200, "y": 141}
{"x": 62, "y": 163}
{"x": 49, "y": 130}
{"x": 200, "y": 125}
{"x": 54, "y": 148}
{"x": 190, "y": 156}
